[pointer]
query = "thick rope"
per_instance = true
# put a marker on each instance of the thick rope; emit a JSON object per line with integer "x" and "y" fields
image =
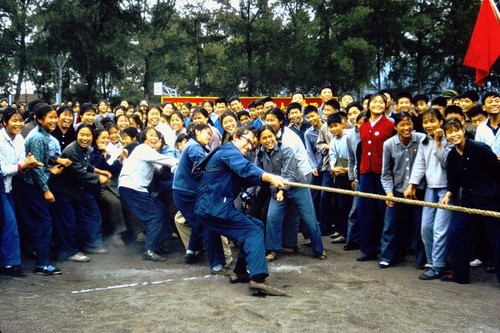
{"x": 395, "y": 199}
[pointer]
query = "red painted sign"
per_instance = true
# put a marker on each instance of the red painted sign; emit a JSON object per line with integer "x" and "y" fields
{"x": 281, "y": 102}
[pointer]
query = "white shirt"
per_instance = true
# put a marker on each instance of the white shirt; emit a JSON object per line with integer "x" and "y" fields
{"x": 138, "y": 169}
{"x": 12, "y": 153}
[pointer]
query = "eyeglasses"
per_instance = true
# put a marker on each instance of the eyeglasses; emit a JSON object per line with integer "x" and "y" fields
{"x": 249, "y": 141}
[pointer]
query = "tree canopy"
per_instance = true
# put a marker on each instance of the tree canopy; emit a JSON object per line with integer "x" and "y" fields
{"x": 119, "y": 48}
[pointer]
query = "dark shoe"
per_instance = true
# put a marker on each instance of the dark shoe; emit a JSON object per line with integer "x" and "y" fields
{"x": 431, "y": 274}
{"x": 364, "y": 257}
{"x": 307, "y": 243}
{"x": 222, "y": 271}
{"x": 152, "y": 256}
{"x": 334, "y": 235}
{"x": 12, "y": 271}
{"x": 351, "y": 246}
{"x": 321, "y": 256}
{"x": 190, "y": 258}
{"x": 48, "y": 270}
{"x": 265, "y": 288}
{"x": 383, "y": 264}
{"x": 239, "y": 278}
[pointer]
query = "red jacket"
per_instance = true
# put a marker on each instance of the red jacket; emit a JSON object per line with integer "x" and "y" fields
{"x": 372, "y": 144}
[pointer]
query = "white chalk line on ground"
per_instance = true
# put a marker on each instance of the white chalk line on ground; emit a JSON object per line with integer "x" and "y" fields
{"x": 280, "y": 268}
{"x": 136, "y": 284}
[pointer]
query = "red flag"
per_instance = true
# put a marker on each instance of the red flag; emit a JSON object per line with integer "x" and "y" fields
{"x": 484, "y": 46}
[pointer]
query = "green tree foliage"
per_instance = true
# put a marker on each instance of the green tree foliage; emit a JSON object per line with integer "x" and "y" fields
{"x": 259, "y": 47}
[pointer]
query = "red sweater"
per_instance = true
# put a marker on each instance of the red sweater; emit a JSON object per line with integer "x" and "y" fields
{"x": 372, "y": 144}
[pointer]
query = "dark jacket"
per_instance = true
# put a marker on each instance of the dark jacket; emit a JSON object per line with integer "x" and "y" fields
{"x": 72, "y": 180}
{"x": 474, "y": 176}
{"x": 226, "y": 173}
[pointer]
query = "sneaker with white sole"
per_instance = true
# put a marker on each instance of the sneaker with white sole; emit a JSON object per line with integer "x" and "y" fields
{"x": 96, "y": 250}
{"x": 79, "y": 257}
{"x": 476, "y": 263}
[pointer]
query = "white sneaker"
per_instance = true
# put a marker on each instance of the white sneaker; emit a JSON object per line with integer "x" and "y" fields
{"x": 79, "y": 257}
{"x": 476, "y": 263}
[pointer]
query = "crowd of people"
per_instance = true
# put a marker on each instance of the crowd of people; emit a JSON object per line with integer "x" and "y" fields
{"x": 216, "y": 173}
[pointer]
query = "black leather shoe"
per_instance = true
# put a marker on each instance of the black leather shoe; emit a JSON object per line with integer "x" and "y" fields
{"x": 12, "y": 271}
{"x": 152, "y": 256}
{"x": 364, "y": 257}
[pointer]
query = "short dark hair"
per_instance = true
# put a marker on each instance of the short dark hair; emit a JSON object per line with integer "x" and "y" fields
{"x": 267, "y": 99}
{"x": 326, "y": 86}
{"x": 420, "y": 97}
{"x": 354, "y": 105}
{"x": 489, "y": 94}
{"x": 200, "y": 110}
{"x": 142, "y": 135}
{"x": 400, "y": 116}
{"x": 63, "y": 108}
{"x": 131, "y": 131}
{"x": 87, "y": 107}
{"x": 403, "y": 94}
{"x": 242, "y": 113}
{"x": 220, "y": 100}
{"x": 470, "y": 94}
{"x": 335, "y": 118}
{"x": 476, "y": 110}
{"x": 310, "y": 108}
{"x": 453, "y": 109}
{"x": 440, "y": 100}
{"x": 333, "y": 103}
{"x": 293, "y": 105}
{"x": 233, "y": 98}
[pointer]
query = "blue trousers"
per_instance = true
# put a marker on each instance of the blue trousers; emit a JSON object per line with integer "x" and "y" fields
{"x": 10, "y": 247}
{"x": 460, "y": 240}
{"x": 342, "y": 205}
{"x": 150, "y": 211}
{"x": 352, "y": 222}
{"x": 201, "y": 237}
{"x": 33, "y": 210}
{"x": 435, "y": 223}
{"x": 249, "y": 232}
{"x": 370, "y": 214}
{"x": 326, "y": 204}
{"x": 300, "y": 199}
{"x": 316, "y": 195}
{"x": 396, "y": 235}
{"x": 68, "y": 219}
{"x": 92, "y": 221}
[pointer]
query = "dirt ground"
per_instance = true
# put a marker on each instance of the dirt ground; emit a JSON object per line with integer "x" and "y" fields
{"x": 119, "y": 292}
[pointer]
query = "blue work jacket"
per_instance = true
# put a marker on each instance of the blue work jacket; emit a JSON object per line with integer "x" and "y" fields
{"x": 227, "y": 172}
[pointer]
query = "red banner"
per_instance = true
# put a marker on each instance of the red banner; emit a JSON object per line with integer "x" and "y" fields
{"x": 281, "y": 102}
